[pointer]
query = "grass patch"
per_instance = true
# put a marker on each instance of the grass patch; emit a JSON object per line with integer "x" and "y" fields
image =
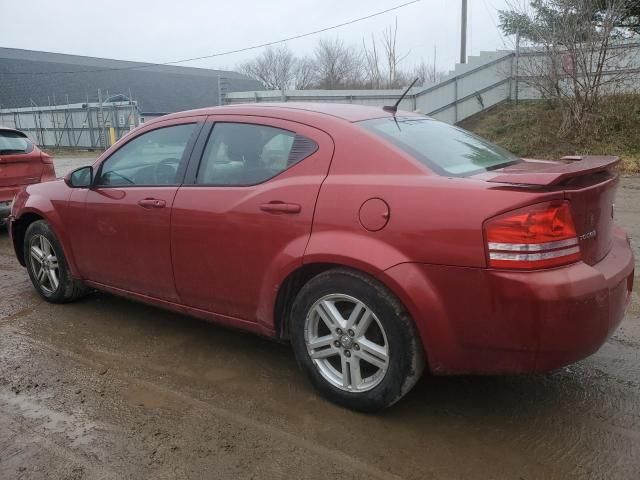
{"x": 530, "y": 129}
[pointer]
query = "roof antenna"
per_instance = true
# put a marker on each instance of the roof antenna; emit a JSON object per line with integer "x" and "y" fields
{"x": 394, "y": 108}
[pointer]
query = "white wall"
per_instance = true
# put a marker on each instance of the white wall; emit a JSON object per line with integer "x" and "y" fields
{"x": 485, "y": 81}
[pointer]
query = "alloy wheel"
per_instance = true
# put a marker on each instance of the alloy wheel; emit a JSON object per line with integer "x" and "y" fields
{"x": 44, "y": 263}
{"x": 347, "y": 343}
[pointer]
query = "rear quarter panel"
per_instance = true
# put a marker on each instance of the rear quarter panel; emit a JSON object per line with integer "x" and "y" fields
{"x": 432, "y": 219}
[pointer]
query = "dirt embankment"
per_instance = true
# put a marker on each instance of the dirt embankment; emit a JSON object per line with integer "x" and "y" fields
{"x": 530, "y": 129}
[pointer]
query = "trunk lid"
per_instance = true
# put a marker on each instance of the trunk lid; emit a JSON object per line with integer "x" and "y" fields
{"x": 588, "y": 182}
{"x": 20, "y": 161}
{"x": 20, "y": 169}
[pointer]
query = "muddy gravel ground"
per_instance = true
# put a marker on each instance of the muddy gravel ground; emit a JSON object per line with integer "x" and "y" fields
{"x": 108, "y": 388}
{"x": 65, "y": 164}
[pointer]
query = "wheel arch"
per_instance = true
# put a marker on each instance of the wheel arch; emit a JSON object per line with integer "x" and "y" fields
{"x": 294, "y": 282}
{"x": 288, "y": 291}
{"x": 28, "y": 216}
{"x": 19, "y": 228}
{"x": 299, "y": 277}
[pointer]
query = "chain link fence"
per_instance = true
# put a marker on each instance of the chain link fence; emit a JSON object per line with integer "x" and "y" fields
{"x": 77, "y": 126}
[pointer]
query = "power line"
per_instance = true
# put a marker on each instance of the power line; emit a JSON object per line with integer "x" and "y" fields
{"x": 245, "y": 49}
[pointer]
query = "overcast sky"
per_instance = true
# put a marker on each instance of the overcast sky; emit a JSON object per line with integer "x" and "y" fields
{"x": 166, "y": 30}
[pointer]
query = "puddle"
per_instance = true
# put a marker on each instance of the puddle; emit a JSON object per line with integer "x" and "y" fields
{"x": 76, "y": 428}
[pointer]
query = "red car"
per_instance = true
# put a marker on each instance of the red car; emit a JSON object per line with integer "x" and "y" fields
{"x": 21, "y": 163}
{"x": 375, "y": 242}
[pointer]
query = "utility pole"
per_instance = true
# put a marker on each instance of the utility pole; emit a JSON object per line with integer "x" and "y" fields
{"x": 435, "y": 53}
{"x": 517, "y": 72}
{"x": 100, "y": 118}
{"x": 463, "y": 33}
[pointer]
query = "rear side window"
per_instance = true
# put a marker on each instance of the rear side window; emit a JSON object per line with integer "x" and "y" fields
{"x": 442, "y": 147}
{"x": 242, "y": 154}
{"x": 13, "y": 143}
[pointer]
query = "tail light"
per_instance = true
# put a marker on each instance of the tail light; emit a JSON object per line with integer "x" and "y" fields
{"x": 538, "y": 236}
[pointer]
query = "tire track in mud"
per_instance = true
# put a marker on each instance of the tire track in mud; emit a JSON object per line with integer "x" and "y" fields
{"x": 596, "y": 427}
{"x": 15, "y": 287}
{"x": 332, "y": 455}
{"x": 25, "y": 437}
{"x": 574, "y": 442}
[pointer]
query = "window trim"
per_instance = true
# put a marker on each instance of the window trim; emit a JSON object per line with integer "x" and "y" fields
{"x": 182, "y": 166}
{"x": 193, "y": 169}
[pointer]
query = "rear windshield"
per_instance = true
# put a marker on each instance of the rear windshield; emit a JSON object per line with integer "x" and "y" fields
{"x": 13, "y": 142}
{"x": 442, "y": 147}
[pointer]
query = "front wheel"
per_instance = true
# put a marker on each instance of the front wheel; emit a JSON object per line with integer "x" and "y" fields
{"x": 47, "y": 265}
{"x": 355, "y": 340}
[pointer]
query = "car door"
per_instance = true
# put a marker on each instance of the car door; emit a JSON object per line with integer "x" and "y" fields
{"x": 246, "y": 211}
{"x": 124, "y": 240}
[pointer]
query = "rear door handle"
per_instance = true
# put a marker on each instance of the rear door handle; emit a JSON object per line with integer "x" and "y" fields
{"x": 152, "y": 203}
{"x": 280, "y": 207}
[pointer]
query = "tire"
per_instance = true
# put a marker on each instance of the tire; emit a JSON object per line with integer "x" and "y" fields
{"x": 382, "y": 333}
{"x": 48, "y": 270}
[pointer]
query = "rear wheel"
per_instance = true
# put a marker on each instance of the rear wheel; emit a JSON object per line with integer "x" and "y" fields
{"x": 47, "y": 265}
{"x": 355, "y": 340}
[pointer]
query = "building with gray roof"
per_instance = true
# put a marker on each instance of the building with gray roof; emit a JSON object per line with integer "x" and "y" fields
{"x": 32, "y": 78}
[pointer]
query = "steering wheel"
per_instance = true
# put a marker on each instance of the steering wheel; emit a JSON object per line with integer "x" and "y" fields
{"x": 165, "y": 171}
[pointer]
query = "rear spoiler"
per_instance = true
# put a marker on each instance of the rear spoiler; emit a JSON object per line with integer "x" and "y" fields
{"x": 554, "y": 173}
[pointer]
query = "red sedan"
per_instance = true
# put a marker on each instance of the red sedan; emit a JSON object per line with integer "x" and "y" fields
{"x": 21, "y": 163}
{"x": 375, "y": 242}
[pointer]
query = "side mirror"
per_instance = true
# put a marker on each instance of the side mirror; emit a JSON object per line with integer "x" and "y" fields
{"x": 80, "y": 177}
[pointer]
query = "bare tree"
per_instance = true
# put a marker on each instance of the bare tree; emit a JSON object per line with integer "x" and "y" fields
{"x": 337, "y": 66}
{"x": 275, "y": 67}
{"x": 372, "y": 64}
{"x": 305, "y": 73}
{"x": 393, "y": 56}
{"x": 382, "y": 66}
{"x": 355, "y": 71}
{"x": 426, "y": 73}
{"x": 577, "y": 53}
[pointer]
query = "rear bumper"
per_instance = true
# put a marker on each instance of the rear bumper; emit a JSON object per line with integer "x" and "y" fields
{"x": 491, "y": 321}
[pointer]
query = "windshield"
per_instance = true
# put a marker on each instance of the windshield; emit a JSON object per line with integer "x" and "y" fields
{"x": 13, "y": 142}
{"x": 442, "y": 147}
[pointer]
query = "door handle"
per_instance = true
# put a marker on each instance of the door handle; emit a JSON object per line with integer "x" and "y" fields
{"x": 280, "y": 207}
{"x": 152, "y": 203}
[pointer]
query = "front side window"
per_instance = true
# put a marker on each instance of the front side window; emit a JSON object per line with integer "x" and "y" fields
{"x": 152, "y": 158}
{"x": 440, "y": 146}
{"x": 245, "y": 154}
{"x": 13, "y": 143}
